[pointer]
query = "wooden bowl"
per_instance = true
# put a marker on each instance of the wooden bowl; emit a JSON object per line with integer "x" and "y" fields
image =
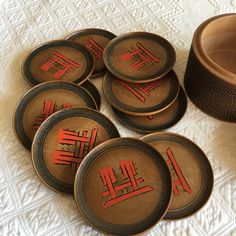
{"x": 210, "y": 77}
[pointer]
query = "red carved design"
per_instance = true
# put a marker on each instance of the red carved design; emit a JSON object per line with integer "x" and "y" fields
{"x": 49, "y": 107}
{"x": 74, "y": 147}
{"x": 114, "y": 191}
{"x": 150, "y": 117}
{"x": 140, "y": 57}
{"x": 181, "y": 180}
{"x": 140, "y": 90}
{"x": 94, "y": 48}
{"x": 59, "y": 64}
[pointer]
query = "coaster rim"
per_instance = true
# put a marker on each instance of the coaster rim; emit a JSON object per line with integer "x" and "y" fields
{"x": 93, "y": 91}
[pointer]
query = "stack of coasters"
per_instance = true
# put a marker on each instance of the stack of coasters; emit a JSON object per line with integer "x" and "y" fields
{"x": 141, "y": 86}
{"x": 76, "y": 149}
{"x": 58, "y": 119}
{"x": 56, "y": 67}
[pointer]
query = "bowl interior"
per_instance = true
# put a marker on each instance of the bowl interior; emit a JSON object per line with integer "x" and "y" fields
{"x": 219, "y": 42}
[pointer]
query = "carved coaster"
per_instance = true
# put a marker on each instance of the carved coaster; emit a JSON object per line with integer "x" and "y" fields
{"x": 163, "y": 120}
{"x": 58, "y": 60}
{"x": 63, "y": 141}
{"x": 141, "y": 99}
{"x": 139, "y": 57}
{"x": 41, "y": 102}
{"x": 95, "y": 40}
{"x": 93, "y": 91}
{"x": 123, "y": 187}
{"x": 192, "y": 175}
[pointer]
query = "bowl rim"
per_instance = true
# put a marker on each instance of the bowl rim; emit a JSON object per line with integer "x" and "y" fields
{"x": 205, "y": 60}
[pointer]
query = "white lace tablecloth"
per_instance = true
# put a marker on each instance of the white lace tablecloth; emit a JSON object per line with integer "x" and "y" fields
{"x": 27, "y": 207}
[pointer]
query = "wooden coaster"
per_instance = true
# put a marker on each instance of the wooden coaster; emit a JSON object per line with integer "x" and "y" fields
{"x": 62, "y": 142}
{"x": 139, "y": 57}
{"x": 93, "y": 91}
{"x": 95, "y": 40}
{"x": 58, "y": 60}
{"x": 123, "y": 187}
{"x": 192, "y": 175}
{"x": 41, "y": 102}
{"x": 141, "y": 99}
{"x": 157, "y": 122}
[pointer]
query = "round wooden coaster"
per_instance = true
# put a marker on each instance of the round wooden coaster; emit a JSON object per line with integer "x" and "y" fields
{"x": 159, "y": 121}
{"x": 41, "y": 102}
{"x": 95, "y": 40}
{"x": 139, "y": 57}
{"x": 192, "y": 175}
{"x": 141, "y": 99}
{"x": 62, "y": 142}
{"x": 115, "y": 178}
{"x": 58, "y": 60}
{"x": 93, "y": 91}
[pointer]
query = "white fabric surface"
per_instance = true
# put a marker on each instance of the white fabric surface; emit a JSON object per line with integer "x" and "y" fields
{"x": 27, "y": 207}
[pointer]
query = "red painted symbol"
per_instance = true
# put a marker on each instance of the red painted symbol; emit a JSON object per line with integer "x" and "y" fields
{"x": 140, "y": 57}
{"x": 140, "y": 90}
{"x": 74, "y": 147}
{"x": 128, "y": 189}
{"x": 94, "y": 48}
{"x": 49, "y": 107}
{"x": 59, "y": 65}
{"x": 181, "y": 180}
{"x": 150, "y": 117}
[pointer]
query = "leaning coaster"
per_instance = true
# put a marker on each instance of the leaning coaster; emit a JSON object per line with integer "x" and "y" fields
{"x": 192, "y": 175}
{"x": 93, "y": 91}
{"x": 141, "y": 99}
{"x": 95, "y": 40}
{"x": 157, "y": 122}
{"x": 41, "y": 102}
{"x": 139, "y": 57}
{"x": 62, "y": 142}
{"x": 123, "y": 187}
{"x": 58, "y": 60}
